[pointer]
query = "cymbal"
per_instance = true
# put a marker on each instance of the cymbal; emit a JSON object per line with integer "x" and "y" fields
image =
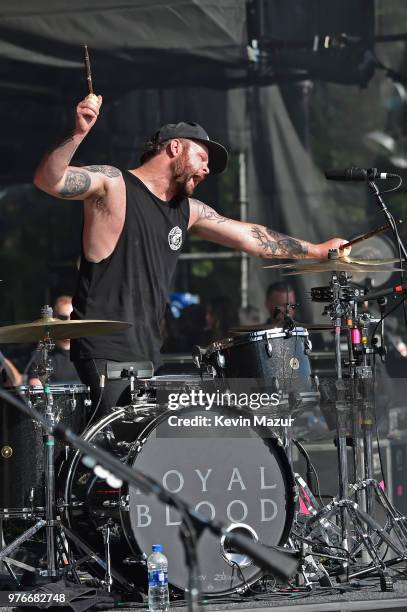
{"x": 59, "y": 329}
{"x": 313, "y": 327}
{"x": 246, "y": 329}
{"x": 341, "y": 264}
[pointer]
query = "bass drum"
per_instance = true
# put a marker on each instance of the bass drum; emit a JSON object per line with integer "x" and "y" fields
{"x": 228, "y": 472}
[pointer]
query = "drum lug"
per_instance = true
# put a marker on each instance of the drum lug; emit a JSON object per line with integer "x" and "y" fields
{"x": 136, "y": 560}
{"x": 110, "y": 504}
{"x": 269, "y": 348}
{"x": 220, "y": 360}
{"x": 307, "y": 346}
{"x": 124, "y": 503}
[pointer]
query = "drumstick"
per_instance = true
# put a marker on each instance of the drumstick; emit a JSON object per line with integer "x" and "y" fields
{"x": 378, "y": 230}
{"x": 87, "y": 70}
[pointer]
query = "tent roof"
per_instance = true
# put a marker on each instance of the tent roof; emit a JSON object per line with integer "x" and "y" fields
{"x": 132, "y": 43}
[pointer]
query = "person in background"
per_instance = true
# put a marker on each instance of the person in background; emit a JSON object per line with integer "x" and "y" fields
{"x": 280, "y": 300}
{"x": 221, "y": 315}
{"x": 249, "y": 315}
{"x": 63, "y": 369}
{"x": 10, "y": 376}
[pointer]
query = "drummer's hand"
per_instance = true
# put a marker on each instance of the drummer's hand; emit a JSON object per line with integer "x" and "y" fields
{"x": 334, "y": 243}
{"x": 87, "y": 112}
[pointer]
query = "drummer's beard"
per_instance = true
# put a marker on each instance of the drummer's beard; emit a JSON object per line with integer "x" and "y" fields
{"x": 186, "y": 177}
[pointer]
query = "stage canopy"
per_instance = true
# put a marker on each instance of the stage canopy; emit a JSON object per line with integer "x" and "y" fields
{"x": 132, "y": 44}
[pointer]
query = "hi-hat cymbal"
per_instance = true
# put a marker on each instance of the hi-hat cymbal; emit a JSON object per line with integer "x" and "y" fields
{"x": 58, "y": 329}
{"x": 341, "y": 264}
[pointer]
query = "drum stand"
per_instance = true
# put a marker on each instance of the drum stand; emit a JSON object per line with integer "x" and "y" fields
{"x": 50, "y": 522}
{"x": 365, "y": 532}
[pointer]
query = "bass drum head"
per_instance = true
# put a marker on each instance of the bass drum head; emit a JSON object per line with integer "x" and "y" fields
{"x": 228, "y": 473}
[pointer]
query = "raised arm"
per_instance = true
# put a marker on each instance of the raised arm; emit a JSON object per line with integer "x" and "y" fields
{"x": 252, "y": 238}
{"x": 55, "y": 176}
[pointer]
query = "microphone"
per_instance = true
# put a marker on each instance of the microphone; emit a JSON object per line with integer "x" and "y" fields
{"x": 358, "y": 174}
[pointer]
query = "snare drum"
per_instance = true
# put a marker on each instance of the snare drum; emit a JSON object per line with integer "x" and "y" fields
{"x": 245, "y": 481}
{"x": 21, "y": 449}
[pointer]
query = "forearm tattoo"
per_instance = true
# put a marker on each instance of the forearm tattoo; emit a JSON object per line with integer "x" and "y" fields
{"x": 274, "y": 244}
{"x": 206, "y": 212}
{"x": 76, "y": 183}
{"x": 65, "y": 142}
{"x": 109, "y": 171}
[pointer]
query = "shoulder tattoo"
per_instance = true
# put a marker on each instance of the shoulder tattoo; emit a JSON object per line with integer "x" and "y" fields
{"x": 109, "y": 171}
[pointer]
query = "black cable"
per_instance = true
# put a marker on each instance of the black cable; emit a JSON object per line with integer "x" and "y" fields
{"x": 399, "y": 303}
{"x": 393, "y": 188}
{"x": 102, "y": 388}
{"x": 398, "y": 240}
{"x": 324, "y": 544}
{"x": 309, "y": 463}
{"x": 393, "y": 225}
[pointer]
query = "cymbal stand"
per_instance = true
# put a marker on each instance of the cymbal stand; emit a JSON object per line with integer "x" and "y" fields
{"x": 359, "y": 395}
{"x": 364, "y": 401}
{"x": 44, "y": 371}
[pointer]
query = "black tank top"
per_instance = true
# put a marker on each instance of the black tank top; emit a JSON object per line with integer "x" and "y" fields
{"x": 133, "y": 282}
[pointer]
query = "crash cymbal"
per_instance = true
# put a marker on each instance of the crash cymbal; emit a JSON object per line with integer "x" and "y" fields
{"x": 341, "y": 264}
{"x": 58, "y": 329}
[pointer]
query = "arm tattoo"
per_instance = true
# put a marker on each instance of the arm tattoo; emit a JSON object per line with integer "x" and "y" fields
{"x": 109, "y": 171}
{"x": 274, "y": 244}
{"x": 76, "y": 183}
{"x": 64, "y": 142}
{"x": 61, "y": 145}
{"x": 206, "y": 212}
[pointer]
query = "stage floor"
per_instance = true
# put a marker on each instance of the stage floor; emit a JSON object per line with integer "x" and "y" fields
{"x": 366, "y": 599}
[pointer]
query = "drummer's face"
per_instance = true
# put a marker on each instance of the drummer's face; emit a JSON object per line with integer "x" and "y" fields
{"x": 277, "y": 303}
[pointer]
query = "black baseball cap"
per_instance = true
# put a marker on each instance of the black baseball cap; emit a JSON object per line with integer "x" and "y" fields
{"x": 218, "y": 156}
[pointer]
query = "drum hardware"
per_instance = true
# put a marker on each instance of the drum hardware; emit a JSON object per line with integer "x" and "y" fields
{"x": 343, "y": 310}
{"x": 45, "y": 330}
{"x": 107, "y": 529}
{"x": 130, "y": 371}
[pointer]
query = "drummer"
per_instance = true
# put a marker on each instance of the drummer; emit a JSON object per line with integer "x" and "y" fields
{"x": 63, "y": 369}
{"x": 135, "y": 223}
{"x": 280, "y": 301}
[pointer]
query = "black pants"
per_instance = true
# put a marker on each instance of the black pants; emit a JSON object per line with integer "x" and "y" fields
{"x": 115, "y": 392}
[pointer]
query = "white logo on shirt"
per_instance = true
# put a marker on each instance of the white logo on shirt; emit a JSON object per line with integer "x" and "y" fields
{"x": 175, "y": 238}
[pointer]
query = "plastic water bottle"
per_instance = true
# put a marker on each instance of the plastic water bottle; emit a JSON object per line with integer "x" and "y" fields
{"x": 157, "y": 566}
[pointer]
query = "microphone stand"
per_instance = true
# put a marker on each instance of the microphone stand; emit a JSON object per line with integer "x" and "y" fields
{"x": 281, "y": 562}
{"x": 388, "y": 216}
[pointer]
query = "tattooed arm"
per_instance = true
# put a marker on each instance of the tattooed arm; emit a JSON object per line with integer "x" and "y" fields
{"x": 252, "y": 238}
{"x": 54, "y": 174}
